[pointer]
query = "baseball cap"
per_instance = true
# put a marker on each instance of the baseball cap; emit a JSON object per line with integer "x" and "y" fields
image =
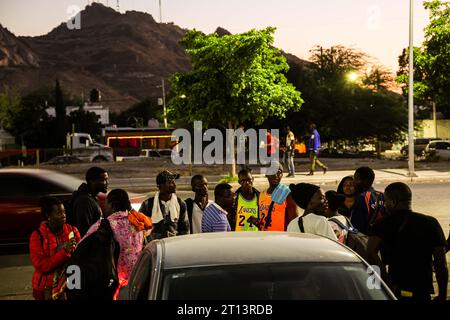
{"x": 165, "y": 176}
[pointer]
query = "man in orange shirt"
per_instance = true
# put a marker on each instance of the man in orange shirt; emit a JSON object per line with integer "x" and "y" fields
{"x": 275, "y": 214}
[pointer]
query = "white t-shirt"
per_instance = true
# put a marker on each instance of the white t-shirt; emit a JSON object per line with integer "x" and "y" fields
{"x": 314, "y": 224}
{"x": 197, "y": 215}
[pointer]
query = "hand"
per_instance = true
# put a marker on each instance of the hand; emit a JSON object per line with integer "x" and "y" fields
{"x": 70, "y": 245}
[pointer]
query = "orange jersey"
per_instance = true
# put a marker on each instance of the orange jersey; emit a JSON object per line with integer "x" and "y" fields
{"x": 278, "y": 213}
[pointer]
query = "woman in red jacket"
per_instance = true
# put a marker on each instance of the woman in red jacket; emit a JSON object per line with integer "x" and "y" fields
{"x": 50, "y": 248}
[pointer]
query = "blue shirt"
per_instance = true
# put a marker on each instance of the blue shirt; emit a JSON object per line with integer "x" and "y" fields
{"x": 314, "y": 141}
{"x": 215, "y": 219}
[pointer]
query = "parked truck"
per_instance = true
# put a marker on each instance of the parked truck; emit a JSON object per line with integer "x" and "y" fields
{"x": 83, "y": 147}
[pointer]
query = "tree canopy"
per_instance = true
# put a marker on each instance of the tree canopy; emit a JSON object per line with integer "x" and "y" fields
{"x": 234, "y": 79}
{"x": 431, "y": 60}
{"x": 344, "y": 110}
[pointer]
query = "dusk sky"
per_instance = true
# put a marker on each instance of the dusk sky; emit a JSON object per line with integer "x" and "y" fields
{"x": 377, "y": 27}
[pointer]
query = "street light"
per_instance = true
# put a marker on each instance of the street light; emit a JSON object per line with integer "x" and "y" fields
{"x": 352, "y": 76}
{"x": 411, "y": 95}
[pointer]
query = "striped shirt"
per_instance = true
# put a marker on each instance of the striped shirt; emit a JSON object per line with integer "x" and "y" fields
{"x": 215, "y": 219}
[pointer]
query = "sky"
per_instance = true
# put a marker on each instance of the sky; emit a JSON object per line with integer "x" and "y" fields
{"x": 380, "y": 28}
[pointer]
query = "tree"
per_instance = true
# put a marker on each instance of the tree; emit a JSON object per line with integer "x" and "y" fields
{"x": 60, "y": 111}
{"x": 437, "y": 53}
{"x": 142, "y": 111}
{"x": 378, "y": 78}
{"x": 431, "y": 60}
{"x": 344, "y": 110}
{"x": 234, "y": 79}
{"x": 334, "y": 63}
{"x": 85, "y": 121}
{"x": 9, "y": 107}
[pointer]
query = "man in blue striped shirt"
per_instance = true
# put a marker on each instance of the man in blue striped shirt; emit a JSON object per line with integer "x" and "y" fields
{"x": 215, "y": 215}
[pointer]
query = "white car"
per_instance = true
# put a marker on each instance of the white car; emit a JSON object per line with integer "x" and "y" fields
{"x": 252, "y": 266}
{"x": 439, "y": 149}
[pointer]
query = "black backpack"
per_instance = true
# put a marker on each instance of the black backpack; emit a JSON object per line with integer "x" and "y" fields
{"x": 68, "y": 206}
{"x": 97, "y": 258}
{"x": 355, "y": 240}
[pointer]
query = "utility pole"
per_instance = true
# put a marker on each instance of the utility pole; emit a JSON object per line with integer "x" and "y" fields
{"x": 164, "y": 103}
{"x": 411, "y": 95}
{"x": 160, "y": 12}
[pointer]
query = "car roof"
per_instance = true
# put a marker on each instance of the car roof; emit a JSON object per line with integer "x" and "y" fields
{"x": 69, "y": 182}
{"x": 437, "y": 141}
{"x": 233, "y": 248}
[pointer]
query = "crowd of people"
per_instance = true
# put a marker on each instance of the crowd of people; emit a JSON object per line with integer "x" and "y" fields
{"x": 407, "y": 246}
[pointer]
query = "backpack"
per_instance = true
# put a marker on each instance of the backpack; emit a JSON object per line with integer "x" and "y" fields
{"x": 189, "y": 208}
{"x": 355, "y": 240}
{"x": 68, "y": 206}
{"x": 97, "y": 257}
{"x": 376, "y": 210}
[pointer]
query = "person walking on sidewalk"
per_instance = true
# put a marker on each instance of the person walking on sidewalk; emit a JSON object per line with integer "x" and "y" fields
{"x": 288, "y": 155}
{"x": 314, "y": 147}
{"x": 416, "y": 242}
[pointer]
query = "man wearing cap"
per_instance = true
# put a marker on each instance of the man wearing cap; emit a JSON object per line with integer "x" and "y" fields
{"x": 168, "y": 212}
{"x": 276, "y": 206}
{"x": 312, "y": 199}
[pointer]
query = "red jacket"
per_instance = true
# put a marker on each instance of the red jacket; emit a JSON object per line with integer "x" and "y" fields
{"x": 47, "y": 255}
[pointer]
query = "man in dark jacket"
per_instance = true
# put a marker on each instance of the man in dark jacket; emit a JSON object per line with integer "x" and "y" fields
{"x": 369, "y": 203}
{"x": 85, "y": 206}
{"x": 416, "y": 242}
{"x": 168, "y": 212}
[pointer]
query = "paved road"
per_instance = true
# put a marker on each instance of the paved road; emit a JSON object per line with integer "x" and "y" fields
{"x": 429, "y": 198}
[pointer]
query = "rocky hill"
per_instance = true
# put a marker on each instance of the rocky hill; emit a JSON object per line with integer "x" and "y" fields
{"x": 124, "y": 55}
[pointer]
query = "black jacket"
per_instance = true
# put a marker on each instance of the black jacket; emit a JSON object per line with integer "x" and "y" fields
{"x": 167, "y": 227}
{"x": 85, "y": 209}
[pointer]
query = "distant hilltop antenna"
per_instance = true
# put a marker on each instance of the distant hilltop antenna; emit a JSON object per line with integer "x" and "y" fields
{"x": 118, "y": 6}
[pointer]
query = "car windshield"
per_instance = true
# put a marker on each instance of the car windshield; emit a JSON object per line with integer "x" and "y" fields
{"x": 299, "y": 281}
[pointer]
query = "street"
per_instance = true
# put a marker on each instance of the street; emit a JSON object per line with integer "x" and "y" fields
{"x": 429, "y": 198}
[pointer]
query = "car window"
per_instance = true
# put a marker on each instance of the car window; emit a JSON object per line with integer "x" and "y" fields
{"x": 300, "y": 281}
{"x": 442, "y": 145}
{"x": 422, "y": 141}
{"x": 139, "y": 284}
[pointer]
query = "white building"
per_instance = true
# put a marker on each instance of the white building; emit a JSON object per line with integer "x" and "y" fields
{"x": 6, "y": 139}
{"x": 98, "y": 109}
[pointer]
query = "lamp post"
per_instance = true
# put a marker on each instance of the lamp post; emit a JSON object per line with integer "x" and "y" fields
{"x": 411, "y": 95}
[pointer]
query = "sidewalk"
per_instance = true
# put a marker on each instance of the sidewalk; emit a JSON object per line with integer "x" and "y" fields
{"x": 382, "y": 176}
